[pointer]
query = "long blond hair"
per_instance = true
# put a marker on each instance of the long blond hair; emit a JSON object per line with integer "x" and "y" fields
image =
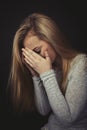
{"x": 20, "y": 79}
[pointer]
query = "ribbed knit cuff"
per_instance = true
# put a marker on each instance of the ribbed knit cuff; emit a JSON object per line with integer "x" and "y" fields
{"x": 35, "y": 78}
{"x": 47, "y": 74}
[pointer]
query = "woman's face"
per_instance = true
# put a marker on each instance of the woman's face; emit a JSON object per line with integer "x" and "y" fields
{"x": 39, "y": 46}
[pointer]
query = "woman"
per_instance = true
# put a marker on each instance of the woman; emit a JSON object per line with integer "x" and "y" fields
{"x": 48, "y": 72}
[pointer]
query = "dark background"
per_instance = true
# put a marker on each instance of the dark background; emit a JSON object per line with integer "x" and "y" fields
{"x": 69, "y": 15}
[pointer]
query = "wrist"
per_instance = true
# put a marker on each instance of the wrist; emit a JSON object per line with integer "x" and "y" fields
{"x": 37, "y": 78}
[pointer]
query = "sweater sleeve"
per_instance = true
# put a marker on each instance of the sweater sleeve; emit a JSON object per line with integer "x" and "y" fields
{"x": 41, "y": 99}
{"x": 69, "y": 107}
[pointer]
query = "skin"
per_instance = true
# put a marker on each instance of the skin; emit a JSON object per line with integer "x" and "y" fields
{"x": 38, "y": 54}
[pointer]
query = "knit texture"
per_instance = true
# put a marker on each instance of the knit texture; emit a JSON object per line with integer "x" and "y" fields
{"x": 68, "y": 112}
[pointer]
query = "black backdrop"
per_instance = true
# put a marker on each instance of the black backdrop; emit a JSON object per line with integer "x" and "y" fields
{"x": 70, "y": 15}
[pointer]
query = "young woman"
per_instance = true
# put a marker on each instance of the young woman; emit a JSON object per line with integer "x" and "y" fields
{"x": 47, "y": 73}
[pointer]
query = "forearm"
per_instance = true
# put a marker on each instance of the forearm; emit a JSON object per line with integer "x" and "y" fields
{"x": 41, "y": 98}
{"x": 67, "y": 109}
{"x": 55, "y": 96}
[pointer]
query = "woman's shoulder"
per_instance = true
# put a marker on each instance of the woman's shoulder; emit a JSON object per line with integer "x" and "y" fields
{"x": 78, "y": 64}
{"x": 79, "y": 59}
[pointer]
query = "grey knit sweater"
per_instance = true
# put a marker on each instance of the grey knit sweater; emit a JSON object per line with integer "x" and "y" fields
{"x": 69, "y": 112}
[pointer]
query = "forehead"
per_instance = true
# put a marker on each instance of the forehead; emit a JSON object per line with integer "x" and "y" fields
{"x": 31, "y": 41}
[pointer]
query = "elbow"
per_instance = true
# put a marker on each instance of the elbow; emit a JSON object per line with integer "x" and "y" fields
{"x": 44, "y": 112}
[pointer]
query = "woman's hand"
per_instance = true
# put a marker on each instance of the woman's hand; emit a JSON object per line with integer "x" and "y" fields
{"x": 38, "y": 63}
{"x": 32, "y": 71}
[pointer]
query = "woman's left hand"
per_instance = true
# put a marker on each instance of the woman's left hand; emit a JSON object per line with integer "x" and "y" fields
{"x": 38, "y": 63}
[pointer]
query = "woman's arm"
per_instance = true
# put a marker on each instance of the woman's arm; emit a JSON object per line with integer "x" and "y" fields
{"x": 41, "y": 98}
{"x": 67, "y": 109}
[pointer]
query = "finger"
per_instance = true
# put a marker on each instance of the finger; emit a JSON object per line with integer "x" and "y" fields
{"x": 47, "y": 56}
{"x": 28, "y": 54}
{"x": 29, "y": 57}
{"x": 33, "y": 53}
{"x": 24, "y": 51}
{"x": 28, "y": 62}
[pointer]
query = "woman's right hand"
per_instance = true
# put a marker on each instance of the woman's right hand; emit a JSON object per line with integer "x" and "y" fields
{"x": 32, "y": 71}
